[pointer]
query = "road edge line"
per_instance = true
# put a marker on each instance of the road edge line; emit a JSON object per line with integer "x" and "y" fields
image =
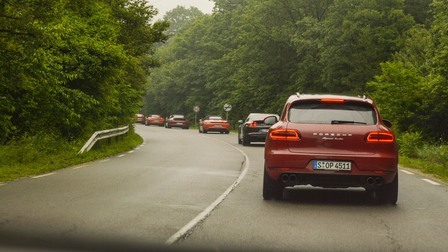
{"x": 183, "y": 232}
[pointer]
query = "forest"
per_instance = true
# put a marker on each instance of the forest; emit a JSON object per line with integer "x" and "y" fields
{"x": 253, "y": 54}
{"x": 72, "y": 67}
{"x": 69, "y": 68}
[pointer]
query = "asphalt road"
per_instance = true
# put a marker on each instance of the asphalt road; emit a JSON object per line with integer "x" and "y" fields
{"x": 183, "y": 190}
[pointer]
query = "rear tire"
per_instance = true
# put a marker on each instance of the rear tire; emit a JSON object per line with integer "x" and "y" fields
{"x": 388, "y": 193}
{"x": 246, "y": 141}
{"x": 271, "y": 188}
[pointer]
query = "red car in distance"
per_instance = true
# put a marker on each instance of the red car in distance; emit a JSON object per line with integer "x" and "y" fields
{"x": 155, "y": 120}
{"x": 177, "y": 121}
{"x": 331, "y": 141}
{"x": 214, "y": 123}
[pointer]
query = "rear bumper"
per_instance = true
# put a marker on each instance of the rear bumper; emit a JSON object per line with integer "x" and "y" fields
{"x": 156, "y": 123}
{"x": 217, "y": 129}
{"x": 256, "y": 136}
{"x": 366, "y": 171}
{"x": 174, "y": 125}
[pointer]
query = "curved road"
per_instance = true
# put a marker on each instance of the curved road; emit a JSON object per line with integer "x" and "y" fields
{"x": 147, "y": 196}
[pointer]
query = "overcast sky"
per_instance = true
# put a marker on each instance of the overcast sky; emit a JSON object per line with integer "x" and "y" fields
{"x": 206, "y": 6}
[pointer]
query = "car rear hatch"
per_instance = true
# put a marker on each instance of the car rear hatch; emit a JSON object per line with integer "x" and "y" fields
{"x": 332, "y": 139}
{"x": 333, "y": 127}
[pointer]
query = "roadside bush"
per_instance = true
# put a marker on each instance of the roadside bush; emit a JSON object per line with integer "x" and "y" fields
{"x": 35, "y": 155}
{"x": 409, "y": 143}
{"x": 434, "y": 154}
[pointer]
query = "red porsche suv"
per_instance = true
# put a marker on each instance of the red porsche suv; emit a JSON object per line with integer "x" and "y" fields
{"x": 331, "y": 141}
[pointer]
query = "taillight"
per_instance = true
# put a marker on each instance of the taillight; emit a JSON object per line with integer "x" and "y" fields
{"x": 380, "y": 137}
{"x": 252, "y": 124}
{"x": 284, "y": 134}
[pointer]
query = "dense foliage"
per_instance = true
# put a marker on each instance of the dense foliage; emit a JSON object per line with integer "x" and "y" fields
{"x": 254, "y": 54}
{"x": 70, "y": 67}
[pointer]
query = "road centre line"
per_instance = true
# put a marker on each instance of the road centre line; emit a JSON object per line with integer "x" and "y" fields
{"x": 43, "y": 175}
{"x": 407, "y": 172}
{"x": 431, "y": 182}
{"x": 204, "y": 214}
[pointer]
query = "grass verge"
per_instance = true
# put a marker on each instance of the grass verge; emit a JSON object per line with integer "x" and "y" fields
{"x": 437, "y": 170}
{"x": 44, "y": 154}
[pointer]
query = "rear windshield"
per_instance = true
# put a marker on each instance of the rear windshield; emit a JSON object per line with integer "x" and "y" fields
{"x": 259, "y": 117}
{"x": 315, "y": 112}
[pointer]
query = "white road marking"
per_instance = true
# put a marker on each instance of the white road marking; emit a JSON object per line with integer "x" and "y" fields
{"x": 122, "y": 155}
{"x": 2, "y": 184}
{"x": 204, "y": 214}
{"x": 43, "y": 175}
{"x": 104, "y": 160}
{"x": 79, "y": 167}
{"x": 431, "y": 182}
{"x": 407, "y": 172}
{"x": 130, "y": 151}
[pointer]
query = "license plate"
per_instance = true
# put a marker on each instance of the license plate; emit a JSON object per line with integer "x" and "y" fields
{"x": 179, "y": 123}
{"x": 332, "y": 165}
{"x": 218, "y": 126}
{"x": 264, "y": 130}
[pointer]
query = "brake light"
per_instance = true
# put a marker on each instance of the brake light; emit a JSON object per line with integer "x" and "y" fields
{"x": 252, "y": 124}
{"x": 284, "y": 134}
{"x": 331, "y": 100}
{"x": 380, "y": 137}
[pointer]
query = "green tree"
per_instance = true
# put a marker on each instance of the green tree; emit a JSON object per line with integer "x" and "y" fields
{"x": 71, "y": 67}
{"x": 357, "y": 36}
{"x": 412, "y": 88}
{"x": 179, "y": 18}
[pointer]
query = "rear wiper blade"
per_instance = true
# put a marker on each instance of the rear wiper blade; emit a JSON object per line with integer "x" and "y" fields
{"x": 346, "y": 122}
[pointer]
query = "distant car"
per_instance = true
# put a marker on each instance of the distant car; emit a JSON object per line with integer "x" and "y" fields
{"x": 214, "y": 123}
{"x": 155, "y": 120}
{"x": 253, "y": 129}
{"x": 331, "y": 141}
{"x": 140, "y": 118}
{"x": 177, "y": 121}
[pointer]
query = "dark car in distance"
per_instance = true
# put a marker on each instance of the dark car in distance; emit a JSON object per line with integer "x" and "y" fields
{"x": 331, "y": 141}
{"x": 254, "y": 128}
{"x": 178, "y": 121}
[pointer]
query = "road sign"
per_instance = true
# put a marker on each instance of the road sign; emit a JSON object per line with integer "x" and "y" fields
{"x": 227, "y": 107}
{"x": 196, "y": 109}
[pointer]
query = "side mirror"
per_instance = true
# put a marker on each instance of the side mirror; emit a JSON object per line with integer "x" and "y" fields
{"x": 387, "y": 123}
{"x": 240, "y": 121}
{"x": 270, "y": 120}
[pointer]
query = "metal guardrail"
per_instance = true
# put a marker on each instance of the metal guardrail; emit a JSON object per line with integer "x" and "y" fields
{"x": 103, "y": 135}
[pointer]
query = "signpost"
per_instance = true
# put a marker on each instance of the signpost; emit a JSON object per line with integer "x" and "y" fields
{"x": 227, "y": 108}
{"x": 196, "y": 109}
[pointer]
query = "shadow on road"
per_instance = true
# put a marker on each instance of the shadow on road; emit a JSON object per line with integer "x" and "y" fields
{"x": 324, "y": 196}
